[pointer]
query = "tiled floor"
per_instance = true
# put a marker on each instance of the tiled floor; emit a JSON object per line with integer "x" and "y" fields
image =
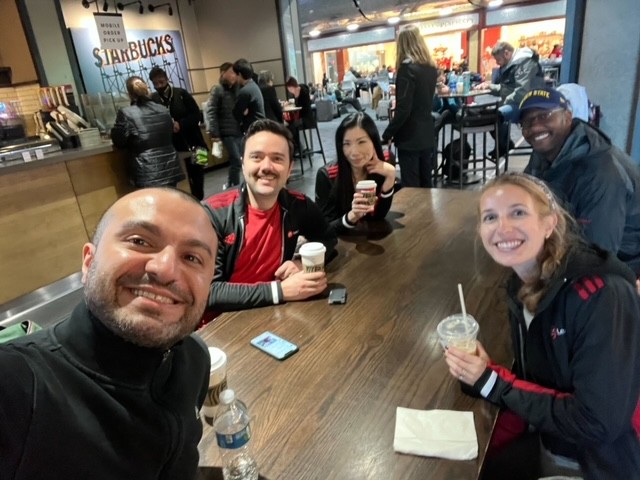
{"x": 215, "y": 178}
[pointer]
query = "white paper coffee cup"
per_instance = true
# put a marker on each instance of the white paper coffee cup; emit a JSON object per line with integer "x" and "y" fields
{"x": 217, "y": 383}
{"x": 368, "y": 189}
{"x": 312, "y": 256}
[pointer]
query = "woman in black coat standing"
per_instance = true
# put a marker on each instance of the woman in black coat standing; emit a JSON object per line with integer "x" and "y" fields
{"x": 411, "y": 128}
{"x": 145, "y": 128}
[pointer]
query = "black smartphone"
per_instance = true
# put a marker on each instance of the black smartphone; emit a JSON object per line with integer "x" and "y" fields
{"x": 338, "y": 296}
{"x": 273, "y": 345}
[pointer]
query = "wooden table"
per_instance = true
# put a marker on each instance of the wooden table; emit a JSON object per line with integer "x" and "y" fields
{"x": 329, "y": 410}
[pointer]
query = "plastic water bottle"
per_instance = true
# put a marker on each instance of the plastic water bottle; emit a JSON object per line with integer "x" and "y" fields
{"x": 466, "y": 78}
{"x": 233, "y": 435}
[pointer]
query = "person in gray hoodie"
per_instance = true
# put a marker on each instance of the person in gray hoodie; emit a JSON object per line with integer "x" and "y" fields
{"x": 519, "y": 72}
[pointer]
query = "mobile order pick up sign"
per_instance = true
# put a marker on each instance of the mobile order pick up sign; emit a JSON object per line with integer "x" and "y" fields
{"x": 111, "y": 30}
{"x": 107, "y": 69}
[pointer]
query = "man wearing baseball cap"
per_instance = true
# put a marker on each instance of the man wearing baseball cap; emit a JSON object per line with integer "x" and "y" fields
{"x": 597, "y": 182}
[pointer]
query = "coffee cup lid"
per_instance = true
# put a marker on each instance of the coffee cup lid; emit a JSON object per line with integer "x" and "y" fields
{"x": 366, "y": 184}
{"x": 312, "y": 248}
{"x": 218, "y": 358}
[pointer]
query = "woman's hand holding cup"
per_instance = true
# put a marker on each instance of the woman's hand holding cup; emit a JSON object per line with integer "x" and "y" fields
{"x": 360, "y": 206}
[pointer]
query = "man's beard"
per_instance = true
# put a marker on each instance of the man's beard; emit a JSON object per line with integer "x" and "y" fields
{"x": 101, "y": 297}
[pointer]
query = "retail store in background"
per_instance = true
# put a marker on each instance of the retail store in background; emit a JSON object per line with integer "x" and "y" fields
{"x": 453, "y": 40}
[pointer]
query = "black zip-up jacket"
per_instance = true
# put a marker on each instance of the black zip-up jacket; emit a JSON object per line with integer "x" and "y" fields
{"x": 184, "y": 110}
{"x": 146, "y": 130}
{"x": 600, "y": 185}
{"x": 227, "y": 210}
{"x": 79, "y": 402}
{"x": 222, "y": 122}
{"x": 328, "y": 201}
{"x": 577, "y": 368}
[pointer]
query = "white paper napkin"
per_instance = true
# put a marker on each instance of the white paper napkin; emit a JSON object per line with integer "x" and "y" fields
{"x": 436, "y": 433}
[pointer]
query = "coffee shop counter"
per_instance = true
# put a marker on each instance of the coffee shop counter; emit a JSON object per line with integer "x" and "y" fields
{"x": 50, "y": 208}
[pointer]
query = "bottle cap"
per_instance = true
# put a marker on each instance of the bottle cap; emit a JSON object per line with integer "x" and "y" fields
{"x": 227, "y": 396}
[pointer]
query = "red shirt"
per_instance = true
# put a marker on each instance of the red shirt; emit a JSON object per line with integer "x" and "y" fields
{"x": 261, "y": 251}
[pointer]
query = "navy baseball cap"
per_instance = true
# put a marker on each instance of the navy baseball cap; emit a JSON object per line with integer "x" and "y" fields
{"x": 545, "y": 98}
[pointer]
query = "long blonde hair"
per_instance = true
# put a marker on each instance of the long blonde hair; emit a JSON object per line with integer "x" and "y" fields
{"x": 555, "y": 248}
{"x": 411, "y": 45}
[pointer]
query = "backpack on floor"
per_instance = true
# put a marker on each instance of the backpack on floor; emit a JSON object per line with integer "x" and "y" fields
{"x": 452, "y": 151}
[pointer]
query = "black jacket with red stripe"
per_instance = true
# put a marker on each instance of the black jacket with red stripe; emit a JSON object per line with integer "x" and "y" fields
{"x": 327, "y": 198}
{"x": 227, "y": 210}
{"x": 577, "y": 368}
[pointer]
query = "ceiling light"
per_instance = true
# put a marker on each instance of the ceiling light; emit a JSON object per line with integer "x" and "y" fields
{"x": 393, "y": 20}
{"x": 446, "y": 11}
{"x": 352, "y": 27}
{"x": 495, "y": 3}
{"x": 314, "y": 33}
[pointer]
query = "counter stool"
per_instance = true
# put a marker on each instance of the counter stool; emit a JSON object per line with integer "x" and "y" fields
{"x": 307, "y": 148}
{"x": 474, "y": 120}
{"x": 440, "y": 121}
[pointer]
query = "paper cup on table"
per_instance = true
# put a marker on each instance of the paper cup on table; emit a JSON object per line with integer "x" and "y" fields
{"x": 312, "y": 255}
{"x": 459, "y": 331}
{"x": 368, "y": 189}
{"x": 217, "y": 383}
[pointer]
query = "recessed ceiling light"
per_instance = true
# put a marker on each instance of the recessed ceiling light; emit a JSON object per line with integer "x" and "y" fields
{"x": 446, "y": 11}
{"x": 495, "y": 3}
{"x": 352, "y": 27}
{"x": 393, "y": 20}
{"x": 314, "y": 33}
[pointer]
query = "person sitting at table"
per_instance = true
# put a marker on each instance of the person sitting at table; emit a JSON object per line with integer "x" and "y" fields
{"x": 302, "y": 97}
{"x": 114, "y": 390}
{"x": 598, "y": 182}
{"x": 519, "y": 72}
{"x": 574, "y": 314}
{"x": 360, "y": 157}
{"x": 258, "y": 225}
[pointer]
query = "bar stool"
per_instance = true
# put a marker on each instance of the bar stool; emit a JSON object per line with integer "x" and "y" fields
{"x": 440, "y": 121}
{"x": 475, "y": 120}
{"x": 309, "y": 151}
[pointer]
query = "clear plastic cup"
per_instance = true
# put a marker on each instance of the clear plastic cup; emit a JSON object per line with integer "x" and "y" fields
{"x": 460, "y": 332}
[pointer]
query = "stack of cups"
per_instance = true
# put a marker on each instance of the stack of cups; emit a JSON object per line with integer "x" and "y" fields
{"x": 312, "y": 255}
{"x": 217, "y": 383}
{"x": 368, "y": 189}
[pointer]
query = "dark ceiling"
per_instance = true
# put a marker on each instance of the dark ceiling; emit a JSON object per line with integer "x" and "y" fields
{"x": 330, "y": 16}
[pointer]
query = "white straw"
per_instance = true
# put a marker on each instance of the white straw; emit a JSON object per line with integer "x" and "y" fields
{"x": 464, "y": 308}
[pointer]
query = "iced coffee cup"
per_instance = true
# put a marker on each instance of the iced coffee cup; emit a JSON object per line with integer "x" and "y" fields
{"x": 217, "y": 383}
{"x": 368, "y": 189}
{"x": 459, "y": 331}
{"x": 312, "y": 256}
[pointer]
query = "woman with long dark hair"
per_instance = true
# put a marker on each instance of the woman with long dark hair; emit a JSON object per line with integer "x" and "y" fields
{"x": 145, "y": 129}
{"x": 360, "y": 157}
{"x": 571, "y": 403}
{"x": 412, "y": 126}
